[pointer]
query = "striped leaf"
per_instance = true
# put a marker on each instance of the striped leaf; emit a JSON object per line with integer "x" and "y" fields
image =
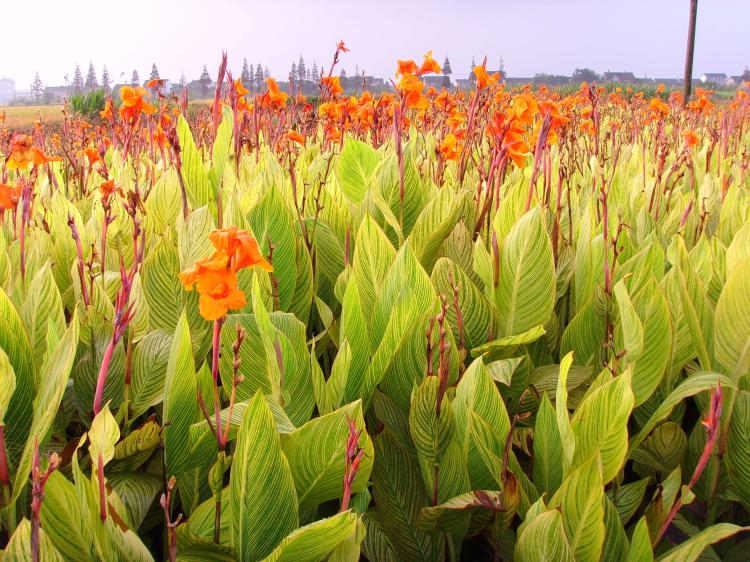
{"x": 691, "y": 549}
{"x": 314, "y": 542}
{"x": 354, "y": 169}
{"x": 18, "y": 548}
{"x": 732, "y": 322}
{"x": 318, "y": 471}
{"x": 149, "y": 364}
{"x": 42, "y": 307}
{"x": 180, "y": 402}
{"x": 547, "y": 468}
{"x": 543, "y": 540}
{"x": 525, "y": 294}
{"x": 738, "y": 447}
{"x": 197, "y": 183}
{"x": 262, "y": 494}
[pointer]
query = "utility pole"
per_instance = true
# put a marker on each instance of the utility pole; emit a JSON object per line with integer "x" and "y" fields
{"x": 690, "y": 51}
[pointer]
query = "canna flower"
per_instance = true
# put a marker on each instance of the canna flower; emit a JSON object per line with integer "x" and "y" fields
{"x": 341, "y": 47}
{"x": 690, "y": 138}
{"x": 273, "y": 96}
{"x": 241, "y": 248}
{"x": 449, "y": 148}
{"x": 216, "y": 284}
{"x": 133, "y": 103}
{"x": 332, "y": 84}
{"x": 107, "y": 113}
{"x": 294, "y": 136}
{"x": 239, "y": 87}
{"x": 658, "y": 107}
{"x": 525, "y": 108}
{"x": 9, "y": 196}
{"x": 107, "y": 188}
{"x": 429, "y": 65}
{"x": 483, "y": 79}
{"x": 93, "y": 156}
{"x": 23, "y": 155}
{"x": 406, "y": 67}
{"x": 411, "y": 88}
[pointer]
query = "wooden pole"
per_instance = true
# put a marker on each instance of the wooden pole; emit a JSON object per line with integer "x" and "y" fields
{"x": 690, "y": 51}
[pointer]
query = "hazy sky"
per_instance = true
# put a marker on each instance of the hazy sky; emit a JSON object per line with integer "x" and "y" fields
{"x": 554, "y": 36}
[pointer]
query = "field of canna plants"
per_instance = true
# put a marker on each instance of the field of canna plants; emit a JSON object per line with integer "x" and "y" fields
{"x": 499, "y": 324}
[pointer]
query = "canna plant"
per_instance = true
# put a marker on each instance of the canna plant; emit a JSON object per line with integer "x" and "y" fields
{"x": 494, "y": 325}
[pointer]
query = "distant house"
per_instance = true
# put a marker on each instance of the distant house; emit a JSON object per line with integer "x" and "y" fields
{"x": 620, "y": 77}
{"x": 718, "y": 78}
{"x": 668, "y": 82}
{"x": 7, "y": 90}
{"x": 437, "y": 81}
{"x": 55, "y": 94}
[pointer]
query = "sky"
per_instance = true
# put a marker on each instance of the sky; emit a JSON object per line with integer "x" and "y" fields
{"x": 646, "y": 37}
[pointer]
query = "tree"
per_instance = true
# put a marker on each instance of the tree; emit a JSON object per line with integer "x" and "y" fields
{"x": 584, "y": 75}
{"x": 315, "y": 74}
{"x": 266, "y": 73}
{"x": 77, "y": 84}
{"x": 293, "y": 72}
{"x": 205, "y": 81}
{"x": 135, "y": 80}
{"x": 472, "y": 77}
{"x": 301, "y": 69}
{"x": 37, "y": 88}
{"x": 154, "y": 73}
{"x": 91, "y": 81}
{"x": 690, "y": 51}
{"x": 245, "y": 75}
{"x": 447, "y": 66}
{"x": 258, "y": 77}
{"x": 183, "y": 80}
{"x": 343, "y": 73}
{"x": 501, "y": 68}
{"x": 106, "y": 80}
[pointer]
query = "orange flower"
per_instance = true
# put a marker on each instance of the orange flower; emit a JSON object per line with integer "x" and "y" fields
{"x": 449, "y": 148}
{"x": 341, "y": 47}
{"x": 239, "y": 87}
{"x": 484, "y": 79}
{"x": 93, "y": 155}
{"x": 411, "y": 88}
{"x": 659, "y": 107}
{"x": 273, "y": 96}
{"x": 429, "y": 65}
{"x": 107, "y": 188}
{"x": 216, "y": 284}
{"x": 9, "y": 196}
{"x": 106, "y": 113}
{"x": 332, "y": 84}
{"x": 525, "y": 107}
{"x": 294, "y": 136}
{"x": 133, "y": 103}
{"x": 406, "y": 67}
{"x": 690, "y": 138}
{"x": 23, "y": 155}
{"x": 241, "y": 248}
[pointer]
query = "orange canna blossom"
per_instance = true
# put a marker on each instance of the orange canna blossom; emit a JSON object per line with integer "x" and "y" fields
{"x": 134, "y": 102}
{"x": 241, "y": 248}
{"x": 406, "y": 67}
{"x": 107, "y": 188}
{"x": 449, "y": 148}
{"x": 411, "y": 88}
{"x": 429, "y": 65}
{"x": 690, "y": 138}
{"x": 106, "y": 113}
{"x": 216, "y": 284}
{"x": 294, "y": 136}
{"x": 483, "y": 79}
{"x": 341, "y": 47}
{"x": 239, "y": 87}
{"x": 24, "y": 155}
{"x": 273, "y": 96}
{"x": 92, "y": 154}
{"x": 332, "y": 84}
{"x": 525, "y": 108}
{"x": 9, "y": 196}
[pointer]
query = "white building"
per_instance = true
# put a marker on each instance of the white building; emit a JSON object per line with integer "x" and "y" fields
{"x": 7, "y": 90}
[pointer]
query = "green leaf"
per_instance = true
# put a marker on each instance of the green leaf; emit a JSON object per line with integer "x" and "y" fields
{"x": 7, "y": 384}
{"x": 738, "y": 447}
{"x": 434, "y": 224}
{"x": 580, "y": 500}
{"x": 445, "y": 516}
{"x": 615, "y": 541}
{"x": 564, "y": 427}
{"x": 525, "y": 295}
{"x": 41, "y": 308}
{"x": 507, "y": 346}
{"x": 601, "y": 423}
{"x": 315, "y": 541}
{"x": 150, "y": 360}
{"x": 197, "y": 183}
{"x": 137, "y": 492}
{"x": 628, "y": 498}
{"x": 262, "y": 494}
{"x": 640, "y": 544}
{"x": 543, "y": 540}
{"x": 103, "y": 436}
{"x": 62, "y": 520}
{"x": 732, "y": 322}
{"x": 47, "y": 401}
{"x": 547, "y": 468}
{"x": 15, "y": 343}
{"x": 355, "y": 167}
{"x": 692, "y": 548}
{"x": 19, "y": 546}
{"x": 180, "y": 401}
{"x": 318, "y": 471}
{"x": 631, "y": 326}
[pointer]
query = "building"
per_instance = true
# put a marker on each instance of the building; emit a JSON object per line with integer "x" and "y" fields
{"x": 718, "y": 78}
{"x": 620, "y": 77}
{"x": 7, "y": 90}
{"x": 55, "y": 94}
